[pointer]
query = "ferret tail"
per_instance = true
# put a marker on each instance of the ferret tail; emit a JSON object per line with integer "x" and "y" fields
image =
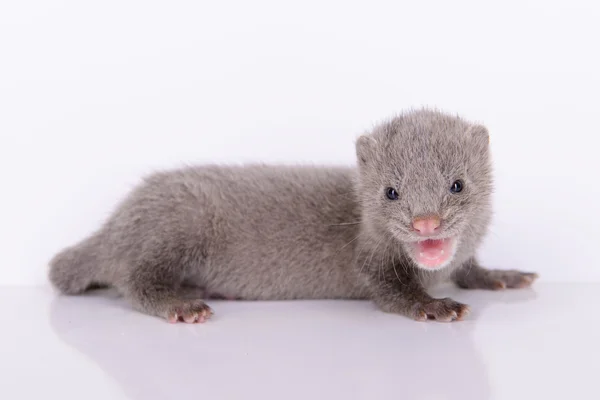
{"x": 77, "y": 268}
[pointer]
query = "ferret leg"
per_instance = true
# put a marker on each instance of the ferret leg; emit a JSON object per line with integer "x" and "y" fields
{"x": 472, "y": 276}
{"x": 154, "y": 287}
{"x": 398, "y": 290}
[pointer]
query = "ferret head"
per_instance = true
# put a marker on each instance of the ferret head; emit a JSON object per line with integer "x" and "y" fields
{"x": 425, "y": 181}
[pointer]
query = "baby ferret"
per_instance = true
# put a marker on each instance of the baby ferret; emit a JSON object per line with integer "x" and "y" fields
{"x": 411, "y": 213}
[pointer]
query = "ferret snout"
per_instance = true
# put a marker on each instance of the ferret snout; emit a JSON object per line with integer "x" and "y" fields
{"x": 426, "y": 226}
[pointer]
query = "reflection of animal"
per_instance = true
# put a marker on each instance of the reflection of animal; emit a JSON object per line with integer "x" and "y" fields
{"x": 413, "y": 212}
{"x": 160, "y": 361}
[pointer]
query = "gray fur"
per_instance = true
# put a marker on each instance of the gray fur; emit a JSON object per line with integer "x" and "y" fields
{"x": 260, "y": 232}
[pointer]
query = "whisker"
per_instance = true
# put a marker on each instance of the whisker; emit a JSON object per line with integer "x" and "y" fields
{"x": 420, "y": 276}
{"x": 359, "y": 235}
{"x": 393, "y": 257}
{"x": 389, "y": 254}
{"x": 346, "y": 223}
{"x": 372, "y": 254}
{"x": 493, "y": 233}
{"x": 364, "y": 263}
{"x": 360, "y": 251}
{"x": 381, "y": 270}
{"x": 470, "y": 267}
{"x": 396, "y": 272}
{"x": 405, "y": 262}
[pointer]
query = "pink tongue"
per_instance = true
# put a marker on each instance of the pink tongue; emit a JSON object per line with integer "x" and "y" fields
{"x": 433, "y": 253}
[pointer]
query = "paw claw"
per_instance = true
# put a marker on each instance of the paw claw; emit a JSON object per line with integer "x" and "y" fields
{"x": 499, "y": 285}
{"x": 465, "y": 311}
{"x": 190, "y": 319}
{"x": 421, "y": 316}
{"x": 173, "y": 318}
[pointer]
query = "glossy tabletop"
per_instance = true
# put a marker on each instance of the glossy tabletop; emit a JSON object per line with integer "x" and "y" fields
{"x": 540, "y": 343}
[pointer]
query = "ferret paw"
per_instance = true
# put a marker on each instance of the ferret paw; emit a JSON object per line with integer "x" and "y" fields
{"x": 442, "y": 310}
{"x": 501, "y": 279}
{"x": 189, "y": 311}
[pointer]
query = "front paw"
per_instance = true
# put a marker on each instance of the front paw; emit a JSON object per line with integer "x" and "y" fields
{"x": 442, "y": 310}
{"x": 499, "y": 279}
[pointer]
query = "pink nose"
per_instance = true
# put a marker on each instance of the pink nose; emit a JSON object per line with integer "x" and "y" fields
{"x": 426, "y": 226}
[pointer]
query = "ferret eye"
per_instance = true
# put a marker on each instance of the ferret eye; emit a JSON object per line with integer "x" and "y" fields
{"x": 457, "y": 186}
{"x": 391, "y": 193}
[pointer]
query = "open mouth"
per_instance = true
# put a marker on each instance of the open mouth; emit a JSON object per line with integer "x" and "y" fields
{"x": 433, "y": 253}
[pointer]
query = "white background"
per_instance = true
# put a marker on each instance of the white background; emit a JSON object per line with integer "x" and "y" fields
{"x": 95, "y": 94}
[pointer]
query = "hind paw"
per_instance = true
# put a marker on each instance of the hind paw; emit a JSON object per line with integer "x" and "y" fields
{"x": 189, "y": 311}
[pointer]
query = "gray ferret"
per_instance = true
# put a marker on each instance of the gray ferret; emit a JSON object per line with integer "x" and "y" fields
{"x": 411, "y": 214}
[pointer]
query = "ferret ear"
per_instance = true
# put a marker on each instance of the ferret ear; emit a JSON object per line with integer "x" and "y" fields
{"x": 480, "y": 135}
{"x": 365, "y": 149}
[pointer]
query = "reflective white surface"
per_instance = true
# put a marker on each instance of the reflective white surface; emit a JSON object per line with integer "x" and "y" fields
{"x": 532, "y": 344}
